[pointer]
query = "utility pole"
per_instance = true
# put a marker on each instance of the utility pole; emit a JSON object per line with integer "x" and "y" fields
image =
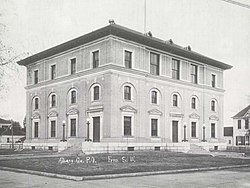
{"x": 12, "y": 127}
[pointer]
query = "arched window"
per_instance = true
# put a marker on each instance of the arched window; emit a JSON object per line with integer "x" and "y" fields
{"x": 154, "y": 97}
{"x": 127, "y": 92}
{"x": 213, "y": 105}
{"x": 175, "y": 100}
{"x": 193, "y": 103}
{"x": 52, "y": 100}
{"x": 96, "y": 93}
{"x": 36, "y": 103}
{"x": 73, "y": 97}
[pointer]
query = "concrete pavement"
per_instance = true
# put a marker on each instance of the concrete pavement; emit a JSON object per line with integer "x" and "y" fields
{"x": 226, "y": 178}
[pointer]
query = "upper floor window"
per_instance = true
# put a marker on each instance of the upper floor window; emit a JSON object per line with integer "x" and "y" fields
{"x": 213, "y": 105}
{"x": 53, "y": 72}
{"x": 213, "y": 80}
{"x": 73, "y": 96}
{"x": 36, "y": 103}
{"x": 127, "y": 93}
{"x": 128, "y": 59}
{"x": 175, "y": 69}
{"x": 193, "y": 103}
{"x": 175, "y": 100}
{"x": 35, "y": 76}
{"x": 95, "y": 56}
{"x": 246, "y": 123}
{"x": 154, "y": 63}
{"x": 73, "y": 66}
{"x": 154, "y": 97}
{"x": 53, "y": 100}
{"x": 96, "y": 92}
{"x": 194, "y": 74}
{"x": 239, "y": 124}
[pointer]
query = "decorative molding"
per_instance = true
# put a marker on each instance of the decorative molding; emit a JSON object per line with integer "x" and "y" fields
{"x": 36, "y": 116}
{"x": 52, "y": 114}
{"x": 128, "y": 108}
{"x": 213, "y": 117}
{"x": 72, "y": 111}
{"x": 176, "y": 114}
{"x": 194, "y": 116}
{"x": 92, "y": 109}
{"x": 155, "y": 112}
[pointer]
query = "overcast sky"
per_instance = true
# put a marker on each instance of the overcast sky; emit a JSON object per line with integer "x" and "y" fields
{"x": 214, "y": 28}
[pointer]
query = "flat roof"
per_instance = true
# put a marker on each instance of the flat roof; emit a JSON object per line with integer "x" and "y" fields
{"x": 128, "y": 34}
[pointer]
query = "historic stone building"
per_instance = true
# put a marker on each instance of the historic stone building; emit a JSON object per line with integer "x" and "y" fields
{"x": 131, "y": 87}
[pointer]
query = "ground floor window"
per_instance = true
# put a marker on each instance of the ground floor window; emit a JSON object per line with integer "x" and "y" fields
{"x": 53, "y": 128}
{"x": 193, "y": 129}
{"x": 127, "y": 125}
{"x": 36, "y": 130}
{"x": 212, "y": 130}
{"x": 242, "y": 140}
{"x": 72, "y": 127}
{"x": 154, "y": 127}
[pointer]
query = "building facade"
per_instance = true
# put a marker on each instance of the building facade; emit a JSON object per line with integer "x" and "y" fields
{"x": 241, "y": 127}
{"x": 129, "y": 86}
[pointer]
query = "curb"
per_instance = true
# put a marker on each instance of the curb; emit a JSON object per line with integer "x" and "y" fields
{"x": 112, "y": 176}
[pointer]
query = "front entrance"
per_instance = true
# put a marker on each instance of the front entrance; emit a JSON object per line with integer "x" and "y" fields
{"x": 96, "y": 129}
{"x": 174, "y": 131}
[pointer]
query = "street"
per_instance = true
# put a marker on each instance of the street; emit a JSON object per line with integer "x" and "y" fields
{"x": 226, "y": 178}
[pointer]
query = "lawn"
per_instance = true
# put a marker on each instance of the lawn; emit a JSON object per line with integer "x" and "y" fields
{"x": 131, "y": 162}
{"x": 25, "y": 151}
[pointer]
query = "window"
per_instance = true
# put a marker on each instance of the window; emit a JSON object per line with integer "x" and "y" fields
{"x": 154, "y": 63}
{"x": 175, "y": 100}
{"x": 246, "y": 123}
{"x": 127, "y": 125}
{"x": 73, "y": 66}
{"x": 72, "y": 127}
{"x": 36, "y": 103}
{"x": 95, "y": 59}
{"x": 35, "y": 76}
{"x": 194, "y": 74}
{"x": 96, "y": 92}
{"x": 213, "y": 80}
{"x": 53, "y": 129}
{"x": 127, "y": 93}
{"x": 154, "y": 127}
{"x": 239, "y": 124}
{"x": 53, "y": 100}
{"x": 53, "y": 72}
{"x": 213, "y": 106}
{"x": 73, "y": 97}
{"x": 175, "y": 69}
{"x": 8, "y": 140}
{"x": 153, "y": 97}
{"x": 128, "y": 59}
{"x": 193, "y": 129}
{"x": 36, "y": 130}
{"x": 193, "y": 103}
{"x": 212, "y": 130}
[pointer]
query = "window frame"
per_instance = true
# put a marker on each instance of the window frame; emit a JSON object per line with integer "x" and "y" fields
{"x": 95, "y": 62}
{"x": 194, "y": 76}
{"x": 54, "y": 130}
{"x": 155, "y": 133}
{"x": 36, "y": 129}
{"x": 53, "y": 101}
{"x": 193, "y": 131}
{"x": 131, "y": 58}
{"x": 239, "y": 123}
{"x": 194, "y": 103}
{"x": 155, "y": 65}
{"x": 175, "y": 70}
{"x": 246, "y": 123}
{"x": 213, "y": 80}
{"x": 125, "y": 94}
{"x": 71, "y": 99}
{"x": 175, "y": 103}
{"x": 124, "y": 125}
{"x": 52, "y": 71}
{"x": 36, "y": 103}
{"x": 154, "y": 97}
{"x": 213, "y": 105}
{"x": 213, "y": 130}
{"x": 36, "y": 76}
{"x": 94, "y": 92}
{"x": 73, "y": 69}
{"x": 75, "y": 127}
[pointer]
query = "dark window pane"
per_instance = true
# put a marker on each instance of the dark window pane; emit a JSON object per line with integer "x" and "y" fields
{"x": 96, "y": 93}
{"x": 213, "y": 80}
{"x": 212, "y": 130}
{"x": 36, "y": 130}
{"x": 73, "y": 97}
{"x": 154, "y": 63}
{"x": 246, "y": 123}
{"x": 193, "y": 129}
{"x": 36, "y": 103}
{"x": 128, "y": 59}
{"x": 36, "y": 76}
{"x": 73, "y": 66}
{"x": 127, "y": 93}
{"x": 154, "y": 127}
{"x": 175, "y": 69}
{"x": 213, "y": 105}
{"x": 53, "y": 128}
{"x": 175, "y": 100}
{"x": 127, "y": 125}
{"x": 194, "y": 74}
{"x": 95, "y": 59}
{"x": 154, "y": 97}
{"x": 53, "y": 72}
{"x": 239, "y": 124}
{"x": 72, "y": 127}
{"x": 193, "y": 104}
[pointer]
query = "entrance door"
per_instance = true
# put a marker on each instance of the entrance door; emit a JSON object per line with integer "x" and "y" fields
{"x": 174, "y": 131}
{"x": 96, "y": 129}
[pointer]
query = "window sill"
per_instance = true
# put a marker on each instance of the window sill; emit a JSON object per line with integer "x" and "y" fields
{"x": 128, "y": 137}
{"x": 126, "y": 100}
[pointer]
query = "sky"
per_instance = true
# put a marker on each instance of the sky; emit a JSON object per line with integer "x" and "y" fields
{"x": 213, "y": 28}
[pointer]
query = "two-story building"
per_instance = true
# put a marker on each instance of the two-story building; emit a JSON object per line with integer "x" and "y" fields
{"x": 241, "y": 127}
{"x": 117, "y": 85}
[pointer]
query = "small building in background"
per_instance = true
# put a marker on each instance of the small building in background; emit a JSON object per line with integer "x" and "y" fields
{"x": 241, "y": 127}
{"x": 6, "y": 132}
{"x": 228, "y": 135}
